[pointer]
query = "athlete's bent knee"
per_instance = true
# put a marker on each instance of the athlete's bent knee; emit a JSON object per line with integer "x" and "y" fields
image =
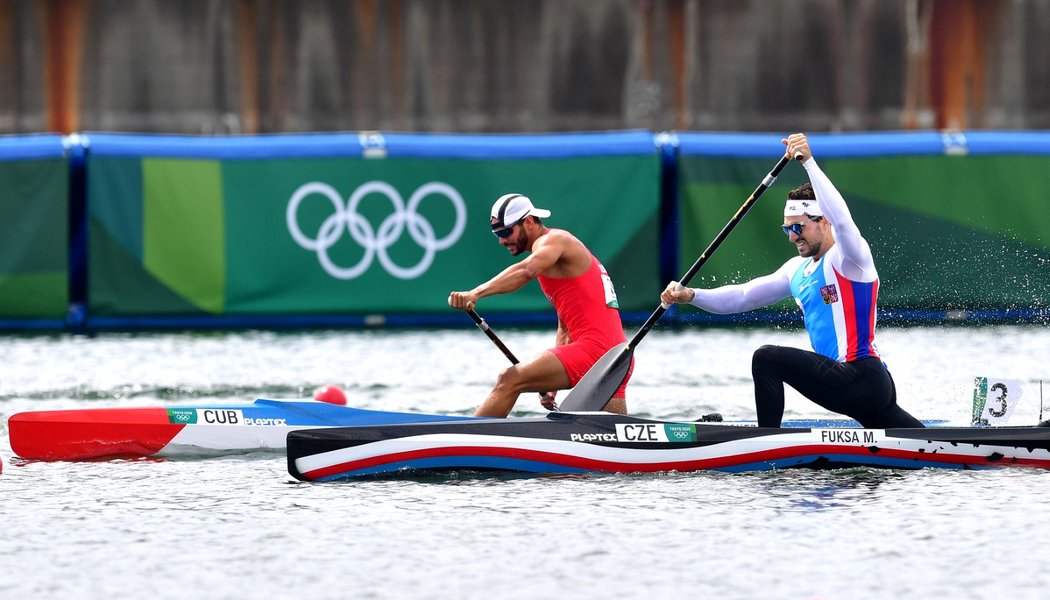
{"x": 764, "y": 355}
{"x": 509, "y": 379}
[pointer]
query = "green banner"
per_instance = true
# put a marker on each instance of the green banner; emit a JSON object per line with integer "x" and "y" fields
{"x": 34, "y": 254}
{"x": 947, "y": 232}
{"x": 173, "y": 236}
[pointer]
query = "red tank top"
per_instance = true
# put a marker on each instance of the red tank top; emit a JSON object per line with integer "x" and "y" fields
{"x": 586, "y": 305}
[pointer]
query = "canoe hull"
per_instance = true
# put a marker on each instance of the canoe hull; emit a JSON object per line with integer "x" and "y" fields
{"x": 204, "y": 430}
{"x": 604, "y": 443}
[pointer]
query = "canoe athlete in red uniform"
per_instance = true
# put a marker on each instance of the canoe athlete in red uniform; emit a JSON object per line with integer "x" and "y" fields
{"x": 575, "y": 283}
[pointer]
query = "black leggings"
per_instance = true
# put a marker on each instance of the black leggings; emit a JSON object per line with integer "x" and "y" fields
{"x": 862, "y": 390}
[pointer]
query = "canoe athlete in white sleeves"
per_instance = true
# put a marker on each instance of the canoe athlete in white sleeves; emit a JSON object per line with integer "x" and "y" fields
{"x": 834, "y": 281}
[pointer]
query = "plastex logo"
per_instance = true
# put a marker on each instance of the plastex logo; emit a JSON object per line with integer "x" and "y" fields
{"x": 182, "y": 416}
{"x": 376, "y": 240}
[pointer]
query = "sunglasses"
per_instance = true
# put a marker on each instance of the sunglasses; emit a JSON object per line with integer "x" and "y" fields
{"x": 504, "y": 232}
{"x": 796, "y": 228}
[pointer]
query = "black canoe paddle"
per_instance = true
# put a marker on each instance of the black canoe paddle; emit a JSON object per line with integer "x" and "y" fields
{"x": 484, "y": 326}
{"x": 601, "y": 381}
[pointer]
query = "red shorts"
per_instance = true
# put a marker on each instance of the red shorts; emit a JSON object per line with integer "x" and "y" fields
{"x": 579, "y": 357}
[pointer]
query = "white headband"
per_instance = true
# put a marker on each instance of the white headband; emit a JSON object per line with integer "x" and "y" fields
{"x": 798, "y": 208}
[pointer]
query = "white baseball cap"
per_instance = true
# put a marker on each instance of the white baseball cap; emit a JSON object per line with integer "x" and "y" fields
{"x": 511, "y": 208}
{"x": 798, "y": 208}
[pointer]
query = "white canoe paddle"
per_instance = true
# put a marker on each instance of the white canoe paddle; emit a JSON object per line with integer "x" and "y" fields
{"x": 601, "y": 381}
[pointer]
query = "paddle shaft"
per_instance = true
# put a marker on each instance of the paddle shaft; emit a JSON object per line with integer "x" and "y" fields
{"x": 722, "y": 235}
{"x": 484, "y": 326}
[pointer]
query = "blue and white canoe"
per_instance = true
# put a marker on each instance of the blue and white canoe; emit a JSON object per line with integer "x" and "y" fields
{"x": 188, "y": 430}
{"x": 596, "y": 442}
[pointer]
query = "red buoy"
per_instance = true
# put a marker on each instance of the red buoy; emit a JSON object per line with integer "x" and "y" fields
{"x": 330, "y": 394}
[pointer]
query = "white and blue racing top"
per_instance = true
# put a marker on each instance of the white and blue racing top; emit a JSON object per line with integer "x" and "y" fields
{"x": 837, "y": 294}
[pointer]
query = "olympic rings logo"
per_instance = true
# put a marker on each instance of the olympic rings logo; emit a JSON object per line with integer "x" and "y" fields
{"x": 376, "y": 241}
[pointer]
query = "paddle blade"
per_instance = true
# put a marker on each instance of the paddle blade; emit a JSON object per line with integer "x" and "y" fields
{"x": 601, "y": 381}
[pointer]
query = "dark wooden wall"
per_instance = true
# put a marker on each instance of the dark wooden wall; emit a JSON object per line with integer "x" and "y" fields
{"x": 243, "y": 66}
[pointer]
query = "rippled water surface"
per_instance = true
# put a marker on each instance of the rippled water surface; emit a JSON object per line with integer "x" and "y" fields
{"x": 236, "y": 527}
